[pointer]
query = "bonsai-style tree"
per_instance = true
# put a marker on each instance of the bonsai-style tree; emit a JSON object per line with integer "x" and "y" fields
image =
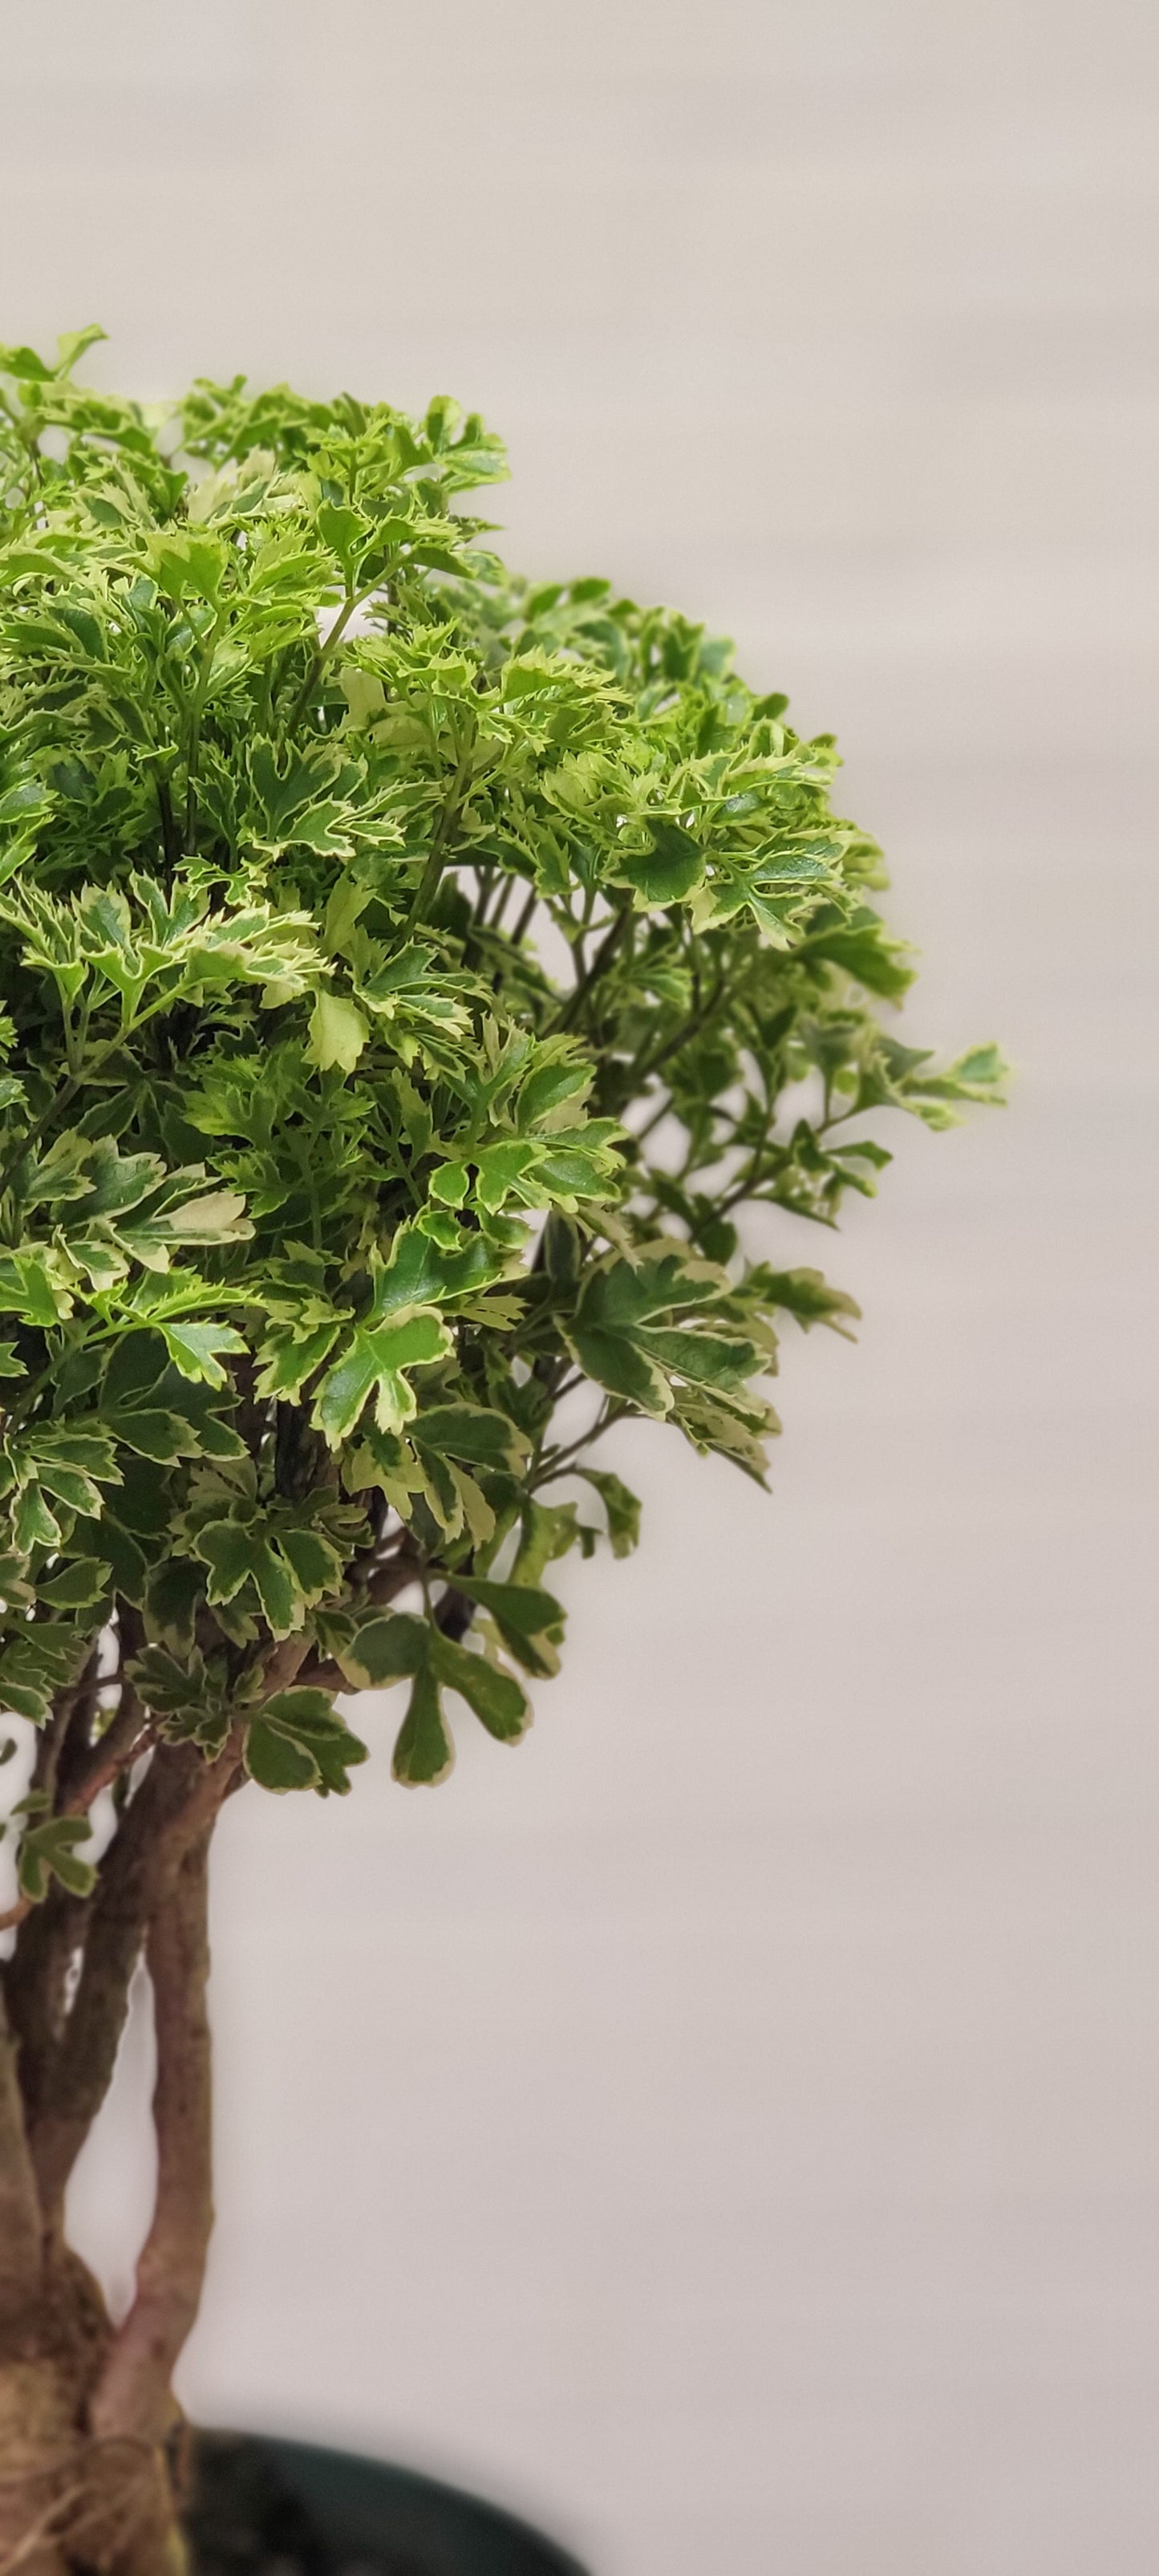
{"x": 409, "y": 980}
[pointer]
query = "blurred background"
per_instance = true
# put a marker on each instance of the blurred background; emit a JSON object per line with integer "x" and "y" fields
{"x": 728, "y": 2127}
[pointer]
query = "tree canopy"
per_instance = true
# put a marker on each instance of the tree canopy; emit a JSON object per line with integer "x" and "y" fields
{"x": 410, "y": 977}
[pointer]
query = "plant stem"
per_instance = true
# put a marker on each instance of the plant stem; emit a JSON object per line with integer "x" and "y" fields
{"x": 194, "y": 742}
{"x": 600, "y": 962}
{"x": 436, "y": 856}
{"x": 642, "y": 1070}
{"x": 524, "y": 916}
{"x": 649, "y": 1123}
{"x": 557, "y": 1461}
{"x": 318, "y": 665}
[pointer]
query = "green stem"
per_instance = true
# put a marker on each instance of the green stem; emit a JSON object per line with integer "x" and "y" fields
{"x": 524, "y": 917}
{"x": 437, "y": 855}
{"x": 193, "y": 747}
{"x": 352, "y": 601}
{"x": 509, "y": 884}
{"x": 641, "y": 1132}
{"x": 557, "y": 1461}
{"x": 170, "y": 841}
{"x": 599, "y": 965}
{"x": 643, "y": 1067}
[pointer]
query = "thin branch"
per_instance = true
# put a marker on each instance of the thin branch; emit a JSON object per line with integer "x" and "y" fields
{"x": 523, "y": 917}
{"x": 689, "y": 1028}
{"x": 170, "y": 837}
{"x": 639, "y": 1133}
{"x": 487, "y": 879}
{"x": 557, "y": 1461}
{"x": 130, "y": 1735}
{"x": 436, "y": 856}
{"x": 602, "y": 959}
{"x": 353, "y": 600}
{"x": 506, "y": 891}
{"x": 193, "y": 747}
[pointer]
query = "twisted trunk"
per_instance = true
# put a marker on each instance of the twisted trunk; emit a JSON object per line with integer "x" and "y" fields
{"x": 133, "y": 2396}
{"x": 87, "y": 2418}
{"x": 53, "y": 2334}
{"x": 20, "y": 2229}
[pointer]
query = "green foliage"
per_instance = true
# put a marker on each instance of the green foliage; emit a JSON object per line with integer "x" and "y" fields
{"x": 409, "y": 980}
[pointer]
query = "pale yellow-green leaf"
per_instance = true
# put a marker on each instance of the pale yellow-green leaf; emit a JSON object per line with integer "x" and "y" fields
{"x": 338, "y": 1032}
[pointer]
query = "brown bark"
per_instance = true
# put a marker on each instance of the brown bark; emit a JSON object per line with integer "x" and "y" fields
{"x": 35, "y": 1982}
{"x": 178, "y": 1798}
{"x": 86, "y": 2414}
{"x": 133, "y": 2394}
{"x": 20, "y": 2235}
{"x": 52, "y": 2330}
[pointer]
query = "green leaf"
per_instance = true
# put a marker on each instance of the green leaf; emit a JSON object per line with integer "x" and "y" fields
{"x": 450, "y": 1184}
{"x": 217, "y": 1217}
{"x": 674, "y": 869}
{"x": 299, "y": 1742}
{"x": 187, "y": 565}
{"x": 290, "y": 1353}
{"x": 401, "y": 1018}
{"x": 338, "y": 1032}
{"x": 621, "y": 1508}
{"x": 863, "y": 948}
{"x": 375, "y": 1363}
{"x": 36, "y": 1662}
{"x": 192, "y": 1697}
{"x": 807, "y": 1295}
{"x": 385, "y": 1649}
{"x": 277, "y": 1761}
{"x": 421, "y": 1272}
{"x": 32, "y": 1287}
{"x": 237, "y": 1553}
{"x": 530, "y": 1622}
{"x": 152, "y": 1433}
{"x": 171, "y": 1595}
{"x": 24, "y": 364}
{"x": 470, "y": 1432}
{"x": 196, "y": 1348}
{"x": 48, "y": 1851}
{"x": 642, "y": 1325}
{"x": 499, "y": 1171}
{"x": 498, "y": 1700}
{"x": 78, "y": 1586}
{"x": 71, "y": 345}
{"x": 423, "y": 1752}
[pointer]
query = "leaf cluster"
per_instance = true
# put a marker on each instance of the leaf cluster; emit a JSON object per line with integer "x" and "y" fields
{"x": 410, "y": 979}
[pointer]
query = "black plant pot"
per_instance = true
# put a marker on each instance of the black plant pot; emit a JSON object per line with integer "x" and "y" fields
{"x": 264, "y": 2508}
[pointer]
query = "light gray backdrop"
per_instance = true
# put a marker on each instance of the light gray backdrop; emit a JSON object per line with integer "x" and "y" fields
{"x": 728, "y": 2127}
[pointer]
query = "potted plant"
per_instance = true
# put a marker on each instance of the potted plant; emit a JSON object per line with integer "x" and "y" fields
{"x": 410, "y": 980}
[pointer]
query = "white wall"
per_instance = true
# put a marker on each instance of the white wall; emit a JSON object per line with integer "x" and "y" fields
{"x": 728, "y": 2127}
